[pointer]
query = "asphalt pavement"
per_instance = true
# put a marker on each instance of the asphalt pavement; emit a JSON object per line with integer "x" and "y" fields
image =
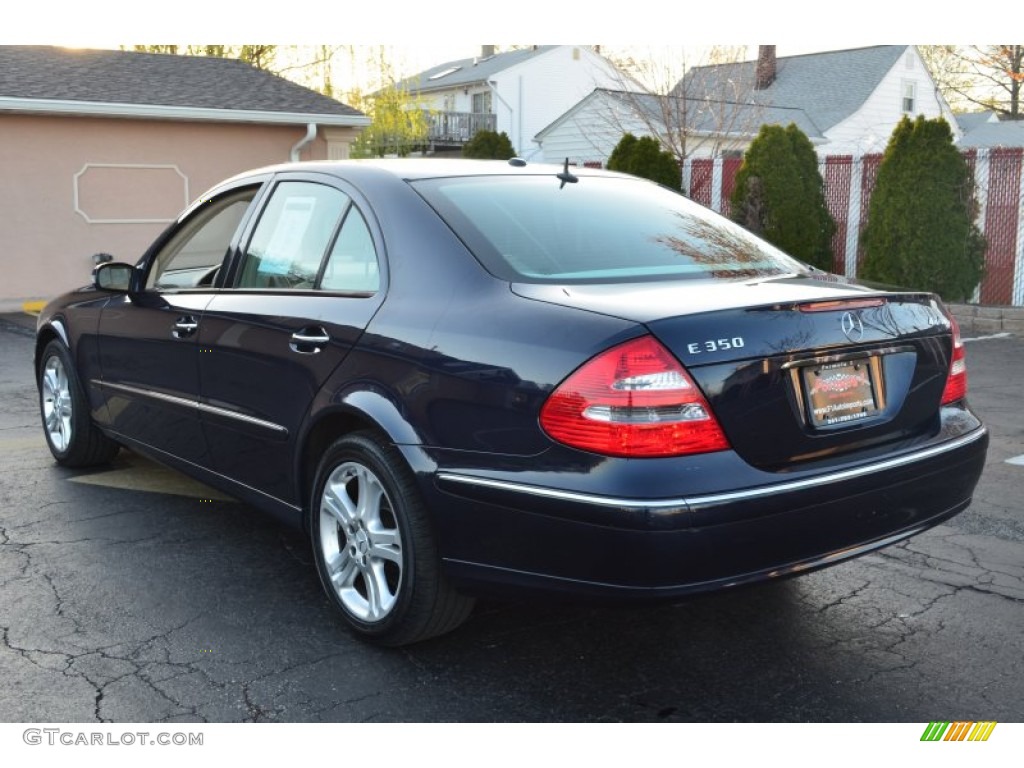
{"x": 131, "y": 594}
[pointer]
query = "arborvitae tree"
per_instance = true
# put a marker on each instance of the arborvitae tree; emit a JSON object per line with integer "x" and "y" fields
{"x": 779, "y": 195}
{"x": 920, "y": 232}
{"x": 618, "y": 160}
{"x": 488, "y": 145}
{"x": 644, "y": 157}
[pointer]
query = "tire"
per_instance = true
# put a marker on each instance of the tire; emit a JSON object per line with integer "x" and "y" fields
{"x": 72, "y": 437}
{"x": 374, "y": 546}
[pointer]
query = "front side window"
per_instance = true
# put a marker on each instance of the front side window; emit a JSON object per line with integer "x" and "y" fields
{"x": 192, "y": 256}
{"x": 292, "y": 236}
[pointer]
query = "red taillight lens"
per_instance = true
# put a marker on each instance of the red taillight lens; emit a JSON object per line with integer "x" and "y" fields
{"x": 632, "y": 400}
{"x": 956, "y": 382}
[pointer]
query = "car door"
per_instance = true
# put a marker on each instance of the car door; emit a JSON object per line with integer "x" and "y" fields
{"x": 148, "y": 337}
{"x": 304, "y": 288}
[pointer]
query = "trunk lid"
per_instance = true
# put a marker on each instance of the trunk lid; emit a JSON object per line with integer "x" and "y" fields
{"x": 795, "y": 369}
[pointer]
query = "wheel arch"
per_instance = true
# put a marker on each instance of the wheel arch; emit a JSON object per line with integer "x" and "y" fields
{"x": 362, "y": 410}
{"x": 52, "y": 330}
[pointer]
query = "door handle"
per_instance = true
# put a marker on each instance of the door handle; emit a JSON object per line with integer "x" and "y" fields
{"x": 309, "y": 341}
{"x": 184, "y": 327}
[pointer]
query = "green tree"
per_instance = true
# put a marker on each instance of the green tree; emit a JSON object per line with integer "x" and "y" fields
{"x": 644, "y": 157}
{"x": 779, "y": 195}
{"x": 618, "y": 160}
{"x": 400, "y": 124}
{"x": 920, "y": 231}
{"x": 489, "y": 145}
{"x": 260, "y": 56}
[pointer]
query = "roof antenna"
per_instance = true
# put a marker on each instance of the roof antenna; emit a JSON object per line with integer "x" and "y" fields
{"x": 565, "y": 176}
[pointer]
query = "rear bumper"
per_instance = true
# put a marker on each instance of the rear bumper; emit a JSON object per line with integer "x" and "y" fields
{"x": 500, "y": 532}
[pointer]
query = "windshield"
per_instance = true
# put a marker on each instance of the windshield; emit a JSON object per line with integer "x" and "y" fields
{"x": 601, "y": 229}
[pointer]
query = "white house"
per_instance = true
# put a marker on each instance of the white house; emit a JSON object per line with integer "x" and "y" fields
{"x": 984, "y": 130}
{"x": 847, "y": 102}
{"x": 518, "y": 92}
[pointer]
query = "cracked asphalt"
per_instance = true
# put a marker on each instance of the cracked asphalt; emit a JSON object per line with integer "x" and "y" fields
{"x": 124, "y": 605}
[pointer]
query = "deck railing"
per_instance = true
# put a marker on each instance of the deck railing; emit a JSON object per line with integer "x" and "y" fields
{"x": 458, "y": 127}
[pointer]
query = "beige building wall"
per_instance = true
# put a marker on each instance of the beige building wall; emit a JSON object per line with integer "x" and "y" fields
{"x": 71, "y": 187}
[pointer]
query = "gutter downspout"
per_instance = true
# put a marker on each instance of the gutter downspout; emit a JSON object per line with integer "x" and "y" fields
{"x": 492, "y": 84}
{"x": 301, "y": 144}
{"x": 519, "y": 114}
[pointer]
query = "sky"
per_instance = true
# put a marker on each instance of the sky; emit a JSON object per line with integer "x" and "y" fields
{"x": 356, "y": 67}
{"x": 438, "y": 28}
{"x": 423, "y": 35}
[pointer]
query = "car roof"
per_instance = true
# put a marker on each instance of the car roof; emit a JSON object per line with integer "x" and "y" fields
{"x": 423, "y": 168}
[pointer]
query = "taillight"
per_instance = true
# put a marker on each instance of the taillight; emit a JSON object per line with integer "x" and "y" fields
{"x": 632, "y": 400}
{"x": 956, "y": 381}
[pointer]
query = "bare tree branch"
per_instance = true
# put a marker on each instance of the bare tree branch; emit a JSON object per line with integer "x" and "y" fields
{"x": 990, "y": 76}
{"x": 689, "y": 107}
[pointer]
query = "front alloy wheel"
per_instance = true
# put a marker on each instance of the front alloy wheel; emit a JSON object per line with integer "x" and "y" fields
{"x": 56, "y": 403}
{"x": 73, "y": 438}
{"x": 374, "y": 546}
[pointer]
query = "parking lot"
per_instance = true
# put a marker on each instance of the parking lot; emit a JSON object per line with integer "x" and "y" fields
{"x": 134, "y": 595}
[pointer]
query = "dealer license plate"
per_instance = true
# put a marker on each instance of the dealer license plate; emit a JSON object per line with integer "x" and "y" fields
{"x": 839, "y": 393}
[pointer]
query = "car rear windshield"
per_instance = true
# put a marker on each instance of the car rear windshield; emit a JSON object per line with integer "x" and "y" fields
{"x": 600, "y": 229}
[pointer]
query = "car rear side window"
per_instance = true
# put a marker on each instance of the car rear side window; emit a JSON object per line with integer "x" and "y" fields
{"x": 600, "y": 229}
{"x": 352, "y": 265}
{"x": 292, "y": 236}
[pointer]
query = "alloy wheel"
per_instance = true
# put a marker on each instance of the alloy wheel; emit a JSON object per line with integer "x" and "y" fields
{"x": 360, "y": 542}
{"x": 57, "y": 403}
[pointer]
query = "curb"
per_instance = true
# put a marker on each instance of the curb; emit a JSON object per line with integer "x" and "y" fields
{"x": 976, "y": 319}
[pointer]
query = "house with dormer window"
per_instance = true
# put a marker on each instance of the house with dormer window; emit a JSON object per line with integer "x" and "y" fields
{"x": 516, "y": 92}
{"x": 847, "y": 102}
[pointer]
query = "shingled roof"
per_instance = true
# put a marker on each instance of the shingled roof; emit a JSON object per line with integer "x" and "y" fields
{"x": 984, "y": 130}
{"x": 713, "y": 116}
{"x": 463, "y": 72}
{"x": 828, "y": 87}
{"x": 126, "y": 83}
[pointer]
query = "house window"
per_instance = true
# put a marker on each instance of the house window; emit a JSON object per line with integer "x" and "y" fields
{"x": 482, "y": 103}
{"x": 443, "y": 73}
{"x": 909, "y": 96}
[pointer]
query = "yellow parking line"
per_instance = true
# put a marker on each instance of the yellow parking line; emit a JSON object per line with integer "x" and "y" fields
{"x": 129, "y": 472}
{"x": 144, "y": 475}
{"x": 33, "y": 307}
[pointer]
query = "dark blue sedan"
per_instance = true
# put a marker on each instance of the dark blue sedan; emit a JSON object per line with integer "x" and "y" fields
{"x": 466, "y": 377}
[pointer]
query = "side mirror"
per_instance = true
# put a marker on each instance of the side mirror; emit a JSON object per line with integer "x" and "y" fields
{"x": 113, "y": 276}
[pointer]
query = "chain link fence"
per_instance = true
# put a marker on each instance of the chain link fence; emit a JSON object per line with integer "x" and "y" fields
{"x": 849, "y": 182}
